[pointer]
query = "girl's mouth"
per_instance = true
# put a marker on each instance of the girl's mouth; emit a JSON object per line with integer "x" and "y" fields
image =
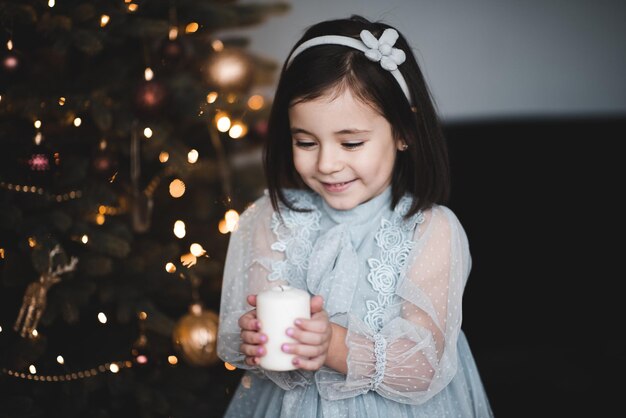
{"x": 337, "y": 187}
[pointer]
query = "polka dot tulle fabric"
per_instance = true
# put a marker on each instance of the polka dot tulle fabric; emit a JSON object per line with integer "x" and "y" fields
{"x": 395, "y": 282}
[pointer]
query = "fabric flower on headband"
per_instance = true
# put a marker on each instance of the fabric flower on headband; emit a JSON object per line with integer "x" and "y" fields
{"x": 382, "y": 49}
{"x": 376, "y": 50}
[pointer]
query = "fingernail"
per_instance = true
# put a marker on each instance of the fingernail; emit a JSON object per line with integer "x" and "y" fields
{"x": 290, "y": 332}
{"x": 297, "y": 322}
{"x": 260, "y": 350}
{"x": 264, "y": 338}
{"x": 285, "y": 348}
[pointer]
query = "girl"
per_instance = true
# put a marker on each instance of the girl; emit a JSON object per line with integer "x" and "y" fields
{"x": 357, "y": 173}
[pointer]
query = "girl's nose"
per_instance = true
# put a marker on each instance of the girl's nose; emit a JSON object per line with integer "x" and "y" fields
{"x": 329, "y": 160}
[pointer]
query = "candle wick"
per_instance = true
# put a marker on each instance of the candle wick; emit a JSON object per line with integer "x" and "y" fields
{"x": 281, "y": 288}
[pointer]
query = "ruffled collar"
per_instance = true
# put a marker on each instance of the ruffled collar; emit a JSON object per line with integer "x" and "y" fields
{"x": 360, "y": 214}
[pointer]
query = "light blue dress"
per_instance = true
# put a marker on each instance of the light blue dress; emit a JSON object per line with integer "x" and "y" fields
{"x": 395, "y": 283}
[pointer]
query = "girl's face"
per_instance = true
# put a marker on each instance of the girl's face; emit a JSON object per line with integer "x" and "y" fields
{"x": 343, "y": 149}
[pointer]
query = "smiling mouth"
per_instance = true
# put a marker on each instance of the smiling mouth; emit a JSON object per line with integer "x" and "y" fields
{"x": 337, "y": 187}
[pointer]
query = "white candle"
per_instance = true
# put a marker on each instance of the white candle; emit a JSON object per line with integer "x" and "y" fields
{"x": 277, "y": 309}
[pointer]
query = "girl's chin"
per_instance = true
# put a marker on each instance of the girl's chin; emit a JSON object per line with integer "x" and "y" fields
{"x": 340, "y": 202}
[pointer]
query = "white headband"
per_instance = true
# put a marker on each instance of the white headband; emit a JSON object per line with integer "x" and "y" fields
{"x": 377, "y": 50}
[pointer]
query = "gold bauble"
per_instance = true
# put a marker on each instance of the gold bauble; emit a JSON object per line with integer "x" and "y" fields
{"x": 230, "y": 70}
{"x": 195, "y": 336}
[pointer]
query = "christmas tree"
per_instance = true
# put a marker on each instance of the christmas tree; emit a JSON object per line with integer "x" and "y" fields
{"x": 130, "y": 140}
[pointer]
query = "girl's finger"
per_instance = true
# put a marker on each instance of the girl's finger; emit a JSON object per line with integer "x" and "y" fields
{"x": 253, "y": 337}
{"x": 302, "y": 350}
{"x": 306, "y": 337}
{"x": 319, "y": 325}
{"x": 317, "y": 304}
{"x": 308, "y": 364}
{"x": 249, "y": 322}
{"x": 252, "y": 361}
{"x": 252, "y": 350}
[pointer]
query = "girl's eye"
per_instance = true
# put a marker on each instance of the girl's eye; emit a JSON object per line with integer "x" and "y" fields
{"x": 352, "y": 145}
{"x": 304, "y": 143}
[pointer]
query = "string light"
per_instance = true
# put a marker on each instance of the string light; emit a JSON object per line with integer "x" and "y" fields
{"x": 188, "y": 260}
{"x": 229, "y": 366}
{"x": 147, "y": 132}
{"x": 75, "y": 194}
{"x": 173, "y": 360}
{"x": 104, "y": 20}
{"x": 192, "y": 156}
{"x": 102, "y": 318}
{"x": 256, "y": 102}
{"x": 113, "y": 367}
{"x": 132, "y": 7}
{"x": 111, "y": 210}
{"x": 35, "y": 333}
{"x": 0, "y": 328}
{"x": 37, "y": 124}
{"x": 170, "y": 268}
{"x": 177, "y": 188}
{"x": 32, "y": 242}
{"x": 197, "y": 250}
{"x": 238, "y": 130}
{"x": 191, "y": 27}
{"x": 148, "y": 74}
{"x": 211, "y": 97}
{"x": 61, "y": 101}
{"x": 51, "y": 3}
{"x": 84, "y": 239}
{"x": 222, "y": 122}
{"x": 173, "y": 33}
{"x": 217, "y": 45}
{"x": 164, "y": 156}
{"x": 179, "y": 229}
{"x": 232, "y": 219}
{"x": 10, "y": 44}
{"x": 78, "y": 122}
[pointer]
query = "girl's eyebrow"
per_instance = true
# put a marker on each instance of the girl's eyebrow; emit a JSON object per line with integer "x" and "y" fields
{"x": 296, "y": 130}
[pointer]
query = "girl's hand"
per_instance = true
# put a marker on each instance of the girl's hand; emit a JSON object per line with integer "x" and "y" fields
{"x": 313, "y": 336}
{"x": 253, "y": 342}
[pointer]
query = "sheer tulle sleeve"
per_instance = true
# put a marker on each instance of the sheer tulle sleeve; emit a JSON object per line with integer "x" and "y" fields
{"x": 414, "y": 355}
{"x": 249, "y": 262}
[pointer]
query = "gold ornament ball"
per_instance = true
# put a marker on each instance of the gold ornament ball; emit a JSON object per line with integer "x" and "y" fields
{"x": 231, "y": 70}
{"x": 195, "y": 336}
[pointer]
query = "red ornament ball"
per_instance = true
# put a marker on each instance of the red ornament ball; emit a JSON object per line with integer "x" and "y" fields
{"x": 150, "y": 97}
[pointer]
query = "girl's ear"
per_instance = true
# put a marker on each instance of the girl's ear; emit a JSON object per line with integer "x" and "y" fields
{"x": 401, "y": 145}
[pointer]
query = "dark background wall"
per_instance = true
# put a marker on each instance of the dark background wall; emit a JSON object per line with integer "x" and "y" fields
{"x": 543, "y": 309}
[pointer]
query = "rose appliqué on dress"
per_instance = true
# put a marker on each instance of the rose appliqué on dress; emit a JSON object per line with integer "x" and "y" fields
{"x": 293, "y": 237}
{"x": 395, "y": 243}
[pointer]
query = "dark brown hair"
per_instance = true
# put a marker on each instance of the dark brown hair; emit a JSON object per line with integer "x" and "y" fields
{"x": 421, "y": 171}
